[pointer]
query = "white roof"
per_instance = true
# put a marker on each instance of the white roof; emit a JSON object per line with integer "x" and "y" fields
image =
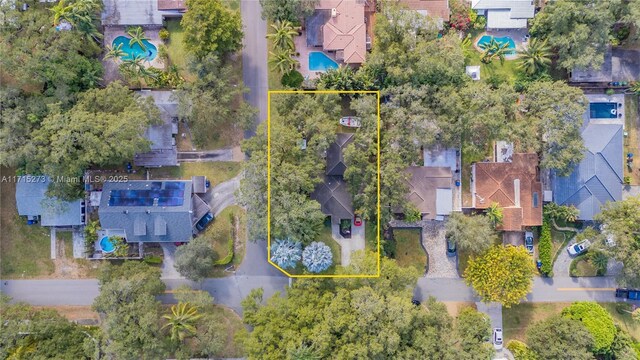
{"x": 501, "y": 19}
{"x": 131, "y": 12}
{"x": 518, "y": 9}
{"x": 444, "y": 201}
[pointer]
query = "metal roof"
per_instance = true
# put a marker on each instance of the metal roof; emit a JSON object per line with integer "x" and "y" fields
{"x": 598, "y": 178}
{"x": 518, "y": 9}
{"x": 163, "y": 150}
{"x": 32, "y": 201}
{"x": 503, "y": 19}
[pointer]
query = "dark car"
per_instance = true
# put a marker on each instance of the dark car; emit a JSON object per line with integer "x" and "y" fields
{"x": 451, "y": 247}
{"x": 415, "y": 302}
{"x": 200, "y": 225}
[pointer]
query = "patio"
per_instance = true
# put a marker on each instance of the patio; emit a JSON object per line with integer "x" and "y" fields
{"x": 303, "y": 50}
{"x": 518, "y": 36}
{"x": 111, "y": 72}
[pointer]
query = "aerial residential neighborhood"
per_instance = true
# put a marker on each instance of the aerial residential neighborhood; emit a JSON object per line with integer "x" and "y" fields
{"x": 320, "y": 179}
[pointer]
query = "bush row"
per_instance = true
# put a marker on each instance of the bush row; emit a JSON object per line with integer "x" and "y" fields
{"x": 545, "y": 248}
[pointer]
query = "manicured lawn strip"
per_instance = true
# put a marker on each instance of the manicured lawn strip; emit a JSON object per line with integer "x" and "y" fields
{"x": 371, "y": 236}
{"x": 409, "y": 252}
{"x": 506, "y": 71}
{"x": 631, "y": 141}
{"x": 336, "y": 249}
{"x": 215, "y": 171}
{"x": 175, "y": 48}
{"x": 24, "y": 249}
{"x": 463, "y": 260}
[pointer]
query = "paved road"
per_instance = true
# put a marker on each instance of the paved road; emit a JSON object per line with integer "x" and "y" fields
{"x": 560, "y": 289}
{"x": 209, "y": 155}
{"x": 254, "y": 58}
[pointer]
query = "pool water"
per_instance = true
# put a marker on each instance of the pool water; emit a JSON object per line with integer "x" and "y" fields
{"x": 106, "y": 245}
{"x": 485, "y": 39}
{"x": 603, "y": 110}
{"x": 132, "y": 52}
{"x": 320, "y": 62}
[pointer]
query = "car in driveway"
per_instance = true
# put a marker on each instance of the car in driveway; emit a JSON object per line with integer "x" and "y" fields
{"x": 579, "y": 248}
{"x": 497, "y": 339}
{"x": 528, "y": 242}
{"x": 357, "y": 220}
{"x": 202, "y": 223}
{"x": 451, "y": 247}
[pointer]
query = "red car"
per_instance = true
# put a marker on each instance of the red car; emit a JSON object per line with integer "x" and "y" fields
{"x": 357, "y": 220}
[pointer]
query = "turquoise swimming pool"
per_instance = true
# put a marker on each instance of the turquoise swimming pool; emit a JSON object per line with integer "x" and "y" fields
{"x": 149, "y": 53}
{"x": 318, "y": 61}
{"x": 106, "y": 245}
{"x": 485, "y": 39}
{"x": 603, "y": 110}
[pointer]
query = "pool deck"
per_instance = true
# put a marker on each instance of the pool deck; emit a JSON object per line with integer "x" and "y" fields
{"x": 603, "y": 98}
{"x": 516, "y": 34}
{"x": 301, "y": 47}
{"x": 111, "y": 72}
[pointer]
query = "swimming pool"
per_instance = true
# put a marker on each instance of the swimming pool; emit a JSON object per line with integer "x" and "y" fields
{"x": 149, "y": 53}
{"x": 603, "y": 110}
{"x": 318, "y": 61}
{"x": 107, "y": 245}
{"x": 485, "y": 39}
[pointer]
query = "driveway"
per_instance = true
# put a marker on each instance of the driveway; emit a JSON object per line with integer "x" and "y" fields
{"x": 563, "y": 262}
{"x": 348, "y": 246}
{"x": 168, "y": 269}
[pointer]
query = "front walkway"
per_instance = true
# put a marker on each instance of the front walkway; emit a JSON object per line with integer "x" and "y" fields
{"x": 348, "y": 246}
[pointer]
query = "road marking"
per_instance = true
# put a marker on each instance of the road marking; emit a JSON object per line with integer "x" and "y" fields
{"x": 586, "y": 289}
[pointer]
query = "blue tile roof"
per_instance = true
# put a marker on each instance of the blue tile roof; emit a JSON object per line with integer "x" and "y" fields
{"x": 598, "y": 177}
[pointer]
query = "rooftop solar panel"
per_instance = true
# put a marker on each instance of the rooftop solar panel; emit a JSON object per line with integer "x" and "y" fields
{"x": 165, "y": 193}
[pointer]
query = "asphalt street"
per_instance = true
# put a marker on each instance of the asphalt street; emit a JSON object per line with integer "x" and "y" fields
{"x": 254, "y": 58}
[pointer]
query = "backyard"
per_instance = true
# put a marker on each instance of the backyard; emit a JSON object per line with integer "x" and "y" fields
{"x": 632, "y": 141}
{"x": 408, "y": 249}
{"x": 175, "y": 48}
{"x": 494, "y": 71}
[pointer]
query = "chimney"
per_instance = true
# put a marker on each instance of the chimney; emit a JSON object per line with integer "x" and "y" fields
{"x": 516, "y": 192}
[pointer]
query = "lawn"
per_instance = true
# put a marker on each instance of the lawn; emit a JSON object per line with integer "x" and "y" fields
{"x": 175, "y": 48}
{"x": 370, "y": 236}
{"x": 215, "y": 171}
{"x": 582, "y": 266}
{"x": 507, "y": 71}
{"x": 24, "y": 249}
{"x": 518, "y": 318}
{"x": 219, "y": 232}
{"x": 409, "y": 251}
{"x": 273, "y": 75}
{"x": 632, "y": 140}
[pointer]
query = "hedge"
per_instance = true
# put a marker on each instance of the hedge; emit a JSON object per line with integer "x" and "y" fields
{"x": 545, "y": 248}
{"x": 152, "y": 260}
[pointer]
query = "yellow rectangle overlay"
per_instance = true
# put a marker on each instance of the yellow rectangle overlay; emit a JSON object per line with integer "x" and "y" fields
{"x": 377, "y": 93}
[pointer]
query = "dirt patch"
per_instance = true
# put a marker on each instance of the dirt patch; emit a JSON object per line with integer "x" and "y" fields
{"x": 65, "y": 266}
{"x": 454, "y": 307}
{"x": 237, "y": 154}
{"x": 74, "y": 313}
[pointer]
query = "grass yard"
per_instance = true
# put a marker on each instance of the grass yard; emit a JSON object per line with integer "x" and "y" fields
{"x": 24, "y": 249}
{"x": 371, "y": 236}
{"x": 582, "y": 266}
{"x": 273, "y": 75}
{"x": 215, "y": 171}
{"x": 632, "y": 141}
{"x": 409, "y": 251}
{"x": 336, "y": 249}
{"x": 219, "y": 232}
{"x": 175, "y": 48}
{"x": 507, "y": 71}
{"x": 624, "y": 320}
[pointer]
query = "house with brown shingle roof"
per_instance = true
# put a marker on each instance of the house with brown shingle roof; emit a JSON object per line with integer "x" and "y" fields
{"x": 514, "y": 185}
{"x": 339, "y": 26}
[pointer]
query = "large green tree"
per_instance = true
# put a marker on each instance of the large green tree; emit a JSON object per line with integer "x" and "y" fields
{"x": 105, "y": 127}
{"x": 214, "y": 99}
{"x": 503, "y": 274}
{"x": 211, "y": 27}
{"x": 473, "y": 233}
{"x": 287, "y": 10}
{"x": 597, "y": 321}
{"x": 195, "y": 260}
{"x": 474, "y": 330}
{"x": 131, "y": 313}
{"x": 578, "y": 30}
{"x": 622, "y": 221}
{"x": 549, "y": 124}
{"x": 559, "y": 337}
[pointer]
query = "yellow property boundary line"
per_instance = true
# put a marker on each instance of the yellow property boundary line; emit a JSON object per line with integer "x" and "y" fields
{"x": 269, "y": 92}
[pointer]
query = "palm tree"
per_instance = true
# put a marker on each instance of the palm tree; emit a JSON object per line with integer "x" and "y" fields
{"x": 137, "y": 37}
{"x": 600, "y": 261}
{"x": 494, "y": 49}
{"x": 494, "y": 212}
{"x": 181, "y": 321}
{"x": 283, "y": 34}
{"x": 133, "y": 69}
{"x": 535, "y": 57}
{"x": 282, "y": 61}
{"x": 61, "y": 11}
{"x": 115, "y": 52}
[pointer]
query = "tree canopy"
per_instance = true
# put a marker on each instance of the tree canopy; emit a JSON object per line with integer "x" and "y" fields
{"x": 503, "y": 274}
{"x": 287, "y": 10}
{"x": 195, "y": 259}
{"x": 473, "y": 233}
{"x": 558, "y": 337}
{"x": 211, "y": 27}
{"x": 596, "y": 320}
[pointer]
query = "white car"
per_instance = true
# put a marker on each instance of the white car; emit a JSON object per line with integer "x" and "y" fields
{"x": 579, "y": 248}
{"x": 497, "y": 339}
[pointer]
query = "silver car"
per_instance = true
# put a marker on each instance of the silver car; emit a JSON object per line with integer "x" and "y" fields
{"x": 579, "y": 248}
{"x": 497, "y": 339}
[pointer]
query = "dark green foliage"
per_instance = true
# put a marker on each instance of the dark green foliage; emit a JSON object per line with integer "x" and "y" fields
{"x": 520, "y": 350}
{"x": 210, "y": 27}
{"x": 545, "y": 248}
{"x": 195, "y": 260}
{"x": 345, "y": 78}
{"x": 292, "y": 79}
{"x": 558, "y": 337}
{"x": 596, "y": 320}
{"x": 287, "y": 10}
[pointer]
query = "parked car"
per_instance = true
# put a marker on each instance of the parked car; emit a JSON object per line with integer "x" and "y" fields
{"x": 350, "y": 121}
{"x": 497, "y": 338}
{"x": 357, "y": 220}
{"x": 202, "y": 223}
{"x": 451, "y": 247}
{"x": 415, "y": 302}
{"x": 631, "y": 294}
{"x": 579, "y": 248}
{"x": 528, "y": 242}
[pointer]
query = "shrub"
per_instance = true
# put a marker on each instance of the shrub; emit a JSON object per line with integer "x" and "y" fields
{"x": 164, "y": 34}
{"x": 412, "y": 214}
{"x": 286, "y": 253}
{"x": 520, "y": 350}
{"x": 623, "y": 308}
{"x": 480, "y": 23}
{"x": 163, "y": 53}
{"x": 545, "y": 248}
{"x": 610, "y": 92}
{"x": 597, "y": 320}
{"x": 627, "y": 180}
{"x": 292, "y": 79}
{"x": 317, "y": 257}
{"x": 152, "y": 260}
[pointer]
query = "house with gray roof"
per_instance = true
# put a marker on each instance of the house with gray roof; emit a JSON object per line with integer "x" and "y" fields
{"x": 599, "y": 177}
{"x": 151, "y": 211}
{"x": 32, "y": 201}
{"x": 332, "y": 194}
{"x": 162, "y": 136}
{"x": 505, "y": 14}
